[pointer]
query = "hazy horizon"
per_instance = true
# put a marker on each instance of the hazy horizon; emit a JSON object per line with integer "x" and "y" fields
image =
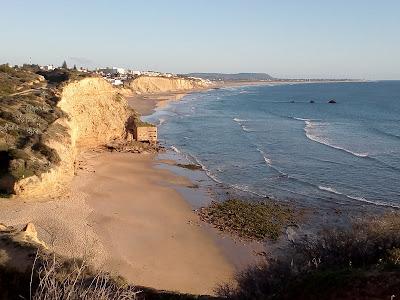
{"x": 286, "y": 40}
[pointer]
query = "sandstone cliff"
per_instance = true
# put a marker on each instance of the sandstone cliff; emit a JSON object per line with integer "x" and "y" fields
{"x": 155, "y": 84}
{"x": 95, "y": 114}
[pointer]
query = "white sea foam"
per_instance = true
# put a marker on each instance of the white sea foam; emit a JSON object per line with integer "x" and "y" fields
{"x": 239, "y": 120}
{"x": 300, "y": 119}
{"x": 246, "y": 128}
{"x": 267, "y": 160}
{"x": 205, "y": 169}
{"x": 247, "y": 189}
{"x": 312, "y": 131}
{"x": 329, "y": 189}
{"x": 161, "y": 121}
{"x": 175, "y": 149}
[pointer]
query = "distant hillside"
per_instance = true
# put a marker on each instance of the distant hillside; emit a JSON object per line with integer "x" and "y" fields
{"x": 232, "y": 77}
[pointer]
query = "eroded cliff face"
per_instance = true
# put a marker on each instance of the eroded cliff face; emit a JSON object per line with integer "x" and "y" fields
{"x": 96, "y": 113}
{"x": 96, "y": 110}
{"x": 154, "y": 84}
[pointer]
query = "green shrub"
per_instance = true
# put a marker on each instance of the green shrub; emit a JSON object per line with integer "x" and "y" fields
{"x": 18, "y": 154}
{"x": 51, "y": 154}
{"x": 6, "y": 69}
{"x": 253, "y": 220}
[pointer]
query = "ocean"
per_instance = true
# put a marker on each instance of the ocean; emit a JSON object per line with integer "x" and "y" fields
{"x": 288, "y": 143}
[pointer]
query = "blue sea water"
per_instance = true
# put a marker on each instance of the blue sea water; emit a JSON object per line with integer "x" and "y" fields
{"x": 271, "y": 141}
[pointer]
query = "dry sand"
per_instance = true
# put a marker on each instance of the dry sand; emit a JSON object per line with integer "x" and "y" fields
{"x": 126, "y": 216}
{"x": 148, "y": 229}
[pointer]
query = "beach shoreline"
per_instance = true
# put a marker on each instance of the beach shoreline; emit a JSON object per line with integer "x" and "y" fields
{"x": 131, "y": 211}
{"x": 126, "y": 216}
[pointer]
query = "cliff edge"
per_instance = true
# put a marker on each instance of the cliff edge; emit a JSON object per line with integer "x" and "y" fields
{"x": 93, "y": 113}
{"x": 158, "y": 84}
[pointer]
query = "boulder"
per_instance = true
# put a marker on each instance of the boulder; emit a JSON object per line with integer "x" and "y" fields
{"x": 332, "y": 101}
{"x": 29, "y": 235}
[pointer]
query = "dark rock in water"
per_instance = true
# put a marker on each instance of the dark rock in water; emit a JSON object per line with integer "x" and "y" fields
{"x": 292, "y": 101}
{"x": 312, "y": 101}
{"x": 332, "y": 101}
{"x": 192, "y": 167}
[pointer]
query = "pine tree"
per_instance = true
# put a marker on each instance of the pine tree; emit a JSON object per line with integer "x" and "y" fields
{"x": 75, "y": 67}
{"x": 64, "y": 65}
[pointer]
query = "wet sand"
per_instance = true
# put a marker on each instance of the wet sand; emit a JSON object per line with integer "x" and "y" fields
{"x": 146, "y": 104}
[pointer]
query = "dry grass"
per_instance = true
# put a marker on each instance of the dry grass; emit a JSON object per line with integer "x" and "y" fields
{"x": 52, "y": 278}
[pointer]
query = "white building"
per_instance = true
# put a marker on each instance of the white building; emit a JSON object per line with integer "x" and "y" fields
{"x": 116, "y": 82}
{"x": 47, "y": 68}
{"x": 112, "y": 71}
{"x": 120, "y": 71}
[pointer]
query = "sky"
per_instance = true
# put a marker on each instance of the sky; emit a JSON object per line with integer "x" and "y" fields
{"x": 286, "y": 39}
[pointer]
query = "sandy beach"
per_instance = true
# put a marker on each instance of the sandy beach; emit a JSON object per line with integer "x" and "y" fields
{"x": 149, "y": 231}
{"x": 138, "y": 224}
{"x": 146, "y": 104}
{"x": 126, "y": 209}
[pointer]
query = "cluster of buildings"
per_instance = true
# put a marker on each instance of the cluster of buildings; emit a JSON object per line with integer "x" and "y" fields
{"x": 117, "y": 76}
{"x": 52, "y": 67}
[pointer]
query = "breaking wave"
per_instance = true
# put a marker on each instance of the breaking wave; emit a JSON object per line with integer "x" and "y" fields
{"x": 311, "y": 126}
{"x": 175, "y": 149}
{"x": 267, "y": 160}
{"x": 247, "y": 129}
{"x": 361, "y": 199}
{"x": 239, "y": 120}
{"x": 244, "y": 127}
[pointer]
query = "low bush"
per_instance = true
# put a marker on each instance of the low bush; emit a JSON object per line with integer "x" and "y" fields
{"x": 56, "y": 76}
{"x": 50, "y": 154}
{"x": 360, "y": 262}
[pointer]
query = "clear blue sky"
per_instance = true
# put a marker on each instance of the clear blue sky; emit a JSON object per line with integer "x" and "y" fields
{"x": 308, "y": 38}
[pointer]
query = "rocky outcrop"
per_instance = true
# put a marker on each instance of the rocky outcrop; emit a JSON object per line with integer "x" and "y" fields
{"x": 18, "y": 247}
{"x": 29, "y": 235}
{"x": 95, "y": 114}
{"x": 158, "y": 84}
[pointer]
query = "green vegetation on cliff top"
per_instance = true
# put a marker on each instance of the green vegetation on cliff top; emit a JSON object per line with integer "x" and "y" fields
{"x": 28, "y": 106}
